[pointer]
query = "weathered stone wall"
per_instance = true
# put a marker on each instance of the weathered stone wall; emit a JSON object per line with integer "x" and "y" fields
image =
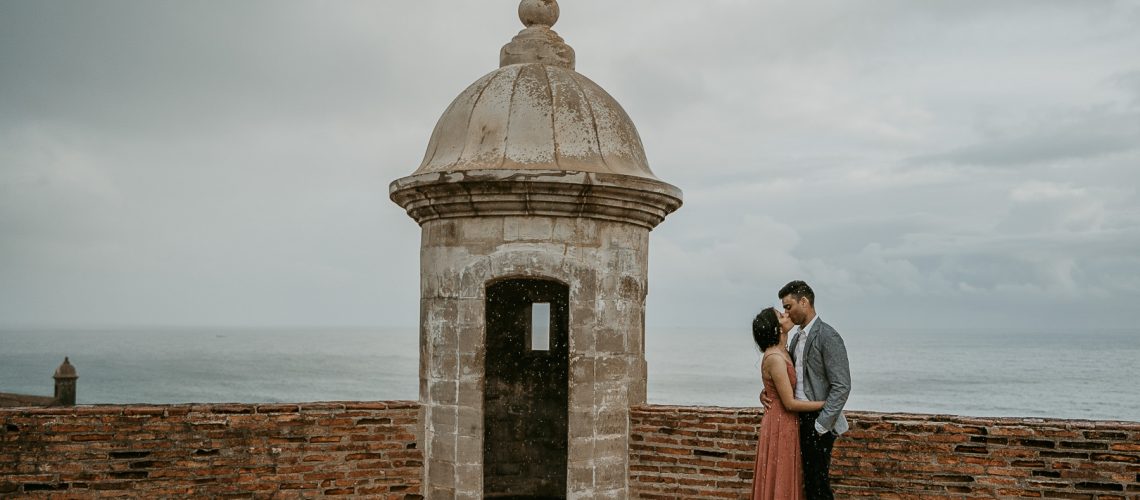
{"x": 222, "y": 451}
{"x": 604, "y": 264}
{"x": 694, "y": 453}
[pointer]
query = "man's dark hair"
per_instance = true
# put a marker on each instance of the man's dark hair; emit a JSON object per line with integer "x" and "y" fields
{"x": 765, "y": 329}
{"x": 798, "y": 289}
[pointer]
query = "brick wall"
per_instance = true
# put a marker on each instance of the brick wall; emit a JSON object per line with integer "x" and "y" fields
{"x": 369, "y": 449}
{"x": 694, "y": 452}
{"x": 222, "y": 451}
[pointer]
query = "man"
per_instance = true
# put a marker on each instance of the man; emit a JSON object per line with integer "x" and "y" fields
{"x": 822, "y": 374}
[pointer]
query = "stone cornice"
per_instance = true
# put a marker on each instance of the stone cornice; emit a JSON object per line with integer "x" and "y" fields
{"x": 478, "y": 193}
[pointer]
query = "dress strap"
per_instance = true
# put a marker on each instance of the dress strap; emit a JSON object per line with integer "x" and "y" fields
{"x": 765, "y": 355}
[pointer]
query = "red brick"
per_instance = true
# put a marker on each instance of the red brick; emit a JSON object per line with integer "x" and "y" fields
{"x": 890, "y": 456}
{"x": 302, "y": 450}
{"x": 231, "y": 450}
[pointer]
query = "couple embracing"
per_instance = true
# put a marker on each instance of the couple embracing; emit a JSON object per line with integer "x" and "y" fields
{"x": 806, "y": 385}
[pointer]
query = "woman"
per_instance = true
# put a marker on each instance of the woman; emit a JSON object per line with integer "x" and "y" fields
{"x": 778, "y": 473}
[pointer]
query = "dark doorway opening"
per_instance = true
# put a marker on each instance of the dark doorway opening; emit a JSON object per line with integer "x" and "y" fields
{"x": 526, "y": 396}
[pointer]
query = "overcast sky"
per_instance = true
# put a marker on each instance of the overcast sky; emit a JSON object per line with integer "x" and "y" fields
{"x": 920, "y": 163}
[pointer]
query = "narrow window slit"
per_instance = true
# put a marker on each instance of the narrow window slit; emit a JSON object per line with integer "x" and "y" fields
{"x": 540, "y": 326}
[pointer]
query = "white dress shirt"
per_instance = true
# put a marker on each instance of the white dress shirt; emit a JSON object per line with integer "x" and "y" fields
{"x": 800, "y": 394}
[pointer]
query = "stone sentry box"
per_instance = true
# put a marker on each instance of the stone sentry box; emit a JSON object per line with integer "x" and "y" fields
{"x": 534, "y": 190}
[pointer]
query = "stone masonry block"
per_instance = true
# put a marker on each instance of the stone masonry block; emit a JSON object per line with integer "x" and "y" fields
{"x": 480, "y": 229}
{"x": 471, "y": 342}
{"x": 448, "y": 285}
{"x": 611, "y": 422}
{"x": 612, "y": 371}
{"x": 613, "y": 314}
{"x": 610, "y": 473}
{"x": 441, "y": 474}
{"x": 583, "y": 232}
{"x": 611, "y": 448}
{"x": 471, "y": 392}
{"x": 511, "y": 229}
{"x": 581, "y": 425}
{"x": 583, "y": 308}
{"x": 528, "y": 228}
{"x": 632, "y": 288}
{"x": 443, "y": 446}
{"x": 471, "y": 367}
{"x": 612, "y": 398}
{"x": 581, "y": 369}
{"x": 637, "y": 386}
{"x": 443, "y": 392}
{"x": 473, "y": 278}
{"x": 439, "y": 492}
{"x": 443, "y": 232}
{"x": 583, "y": 284}
{"x": 440, "y": 324}
{"x": 433, "y": 427}
{"x": 469, "y": 450}
{"x": 470, "y": 312}
{"x": 444, "y": 364}
{"x": 470, "y": 421}
{"x": 610, "y": 283}
{"x": 610, "y": 494}
{"x": 610, "y": 341}
{"x": 529, "y": 259}
{"x": 581, "y": 448}
{"x": 437, "y": 261}
{"x": 633, "y": 262}
{"x": 625, "y": 237}
{"x": 635, "y": 339}
{"x": 581, "y": 393}
{"x": 468, "y": 479}
{"x": 582, "y": 335}
{"x": 444, "y": 415}
{"x": 580, "y": 477}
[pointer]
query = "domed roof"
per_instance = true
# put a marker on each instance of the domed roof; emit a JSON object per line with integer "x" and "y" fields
{"x": 536, "y": 113}
{"x": 65, "y": 370}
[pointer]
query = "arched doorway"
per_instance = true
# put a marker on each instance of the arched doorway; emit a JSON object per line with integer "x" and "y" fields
{"x": 525, "y": 401}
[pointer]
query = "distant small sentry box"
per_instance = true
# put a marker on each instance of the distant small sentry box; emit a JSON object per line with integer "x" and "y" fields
{"x": 65, "y": 377}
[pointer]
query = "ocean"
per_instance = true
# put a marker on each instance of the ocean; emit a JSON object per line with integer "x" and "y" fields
{"x": 973, "y": 373}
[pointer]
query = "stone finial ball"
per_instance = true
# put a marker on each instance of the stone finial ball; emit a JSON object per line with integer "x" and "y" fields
{"x": 538, "y": 12}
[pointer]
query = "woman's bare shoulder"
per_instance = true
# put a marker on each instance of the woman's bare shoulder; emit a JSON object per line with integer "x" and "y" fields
{"x": 775, "y": 360}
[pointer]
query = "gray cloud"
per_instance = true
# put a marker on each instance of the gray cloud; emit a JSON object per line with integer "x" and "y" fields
{"x": 191, "y": 163}
{"x": 1062, "y": 136}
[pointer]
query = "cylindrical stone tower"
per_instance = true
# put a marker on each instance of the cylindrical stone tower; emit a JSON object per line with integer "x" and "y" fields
{"x": 65, "y": 377}
{"x": 535, "y": 201}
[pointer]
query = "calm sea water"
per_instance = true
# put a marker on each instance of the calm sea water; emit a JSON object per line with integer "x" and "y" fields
{"x": 979, "y": 373}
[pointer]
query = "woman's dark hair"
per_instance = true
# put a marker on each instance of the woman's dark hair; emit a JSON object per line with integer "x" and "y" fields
{"x": 766, "y": 329}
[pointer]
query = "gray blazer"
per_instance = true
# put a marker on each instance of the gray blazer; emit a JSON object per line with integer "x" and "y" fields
{"x": 827, "y": 375}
